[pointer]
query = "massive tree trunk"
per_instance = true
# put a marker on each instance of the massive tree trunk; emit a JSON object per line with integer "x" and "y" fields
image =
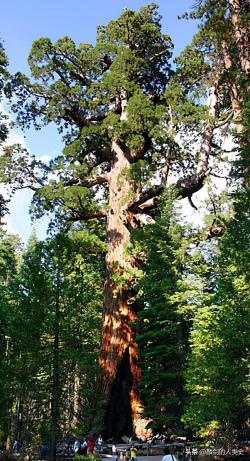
{"x": 120, "y": 372}
{"x": 239, "y": 11}
{"x": 120, "y": 376}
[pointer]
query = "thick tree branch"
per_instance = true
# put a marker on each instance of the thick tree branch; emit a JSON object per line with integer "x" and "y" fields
{"x": 90, "y": 182}
{"x": 225, "y": 121}
{"x": 192, "y": 203}
{"x": 74, "y": 115}
{"x": 81, "y": 119}
{"x": 157, "y": 55}
{"x": 81, "y": 216}
{"x": 149, "y": 198}
{"x": 146, "y": 199}
{"x": 71, "y": 112}
{"x": 97, "y": 162}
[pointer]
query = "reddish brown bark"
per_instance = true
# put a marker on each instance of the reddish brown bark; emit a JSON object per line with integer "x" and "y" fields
{"x": 118, "y": 334}
{"x": 241, "y": 32}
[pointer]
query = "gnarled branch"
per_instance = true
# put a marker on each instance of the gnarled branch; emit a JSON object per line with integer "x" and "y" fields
{"x": 89, "y": 182}
{"x": 81, "y": 216}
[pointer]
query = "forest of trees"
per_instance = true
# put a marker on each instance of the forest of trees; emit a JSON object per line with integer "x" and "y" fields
{"x": 126, "y": 320}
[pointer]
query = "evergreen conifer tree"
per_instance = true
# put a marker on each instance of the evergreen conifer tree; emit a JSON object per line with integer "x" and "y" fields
{"x": 119, "y": 108}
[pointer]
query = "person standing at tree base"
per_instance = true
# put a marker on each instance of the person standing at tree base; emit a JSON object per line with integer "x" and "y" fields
{"x": 84, "y": 447}
{"x": 133, "y": 453}
{"x": 16, "y": 446}
{"x": 91, "y": 444}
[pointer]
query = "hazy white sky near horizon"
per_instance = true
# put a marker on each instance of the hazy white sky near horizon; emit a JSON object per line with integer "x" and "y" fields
{"x": 24, "y": 22}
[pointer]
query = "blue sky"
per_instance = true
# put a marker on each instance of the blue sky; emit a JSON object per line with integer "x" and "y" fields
{"x": 23, "y": 21}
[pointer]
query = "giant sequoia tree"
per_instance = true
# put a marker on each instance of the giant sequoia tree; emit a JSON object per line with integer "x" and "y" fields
{"x": 217, "y": 372}
{"x": 118, "y": 106}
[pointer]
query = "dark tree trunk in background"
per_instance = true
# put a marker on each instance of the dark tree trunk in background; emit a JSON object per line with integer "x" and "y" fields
{"x": 55, "y": 374}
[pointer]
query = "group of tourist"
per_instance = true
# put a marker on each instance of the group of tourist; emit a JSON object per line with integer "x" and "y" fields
{"x": 84, "y": 447}
{"x": 95, "y": 444}
{"x": 127, "y": 455}
{"x": 87, "y": 446}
